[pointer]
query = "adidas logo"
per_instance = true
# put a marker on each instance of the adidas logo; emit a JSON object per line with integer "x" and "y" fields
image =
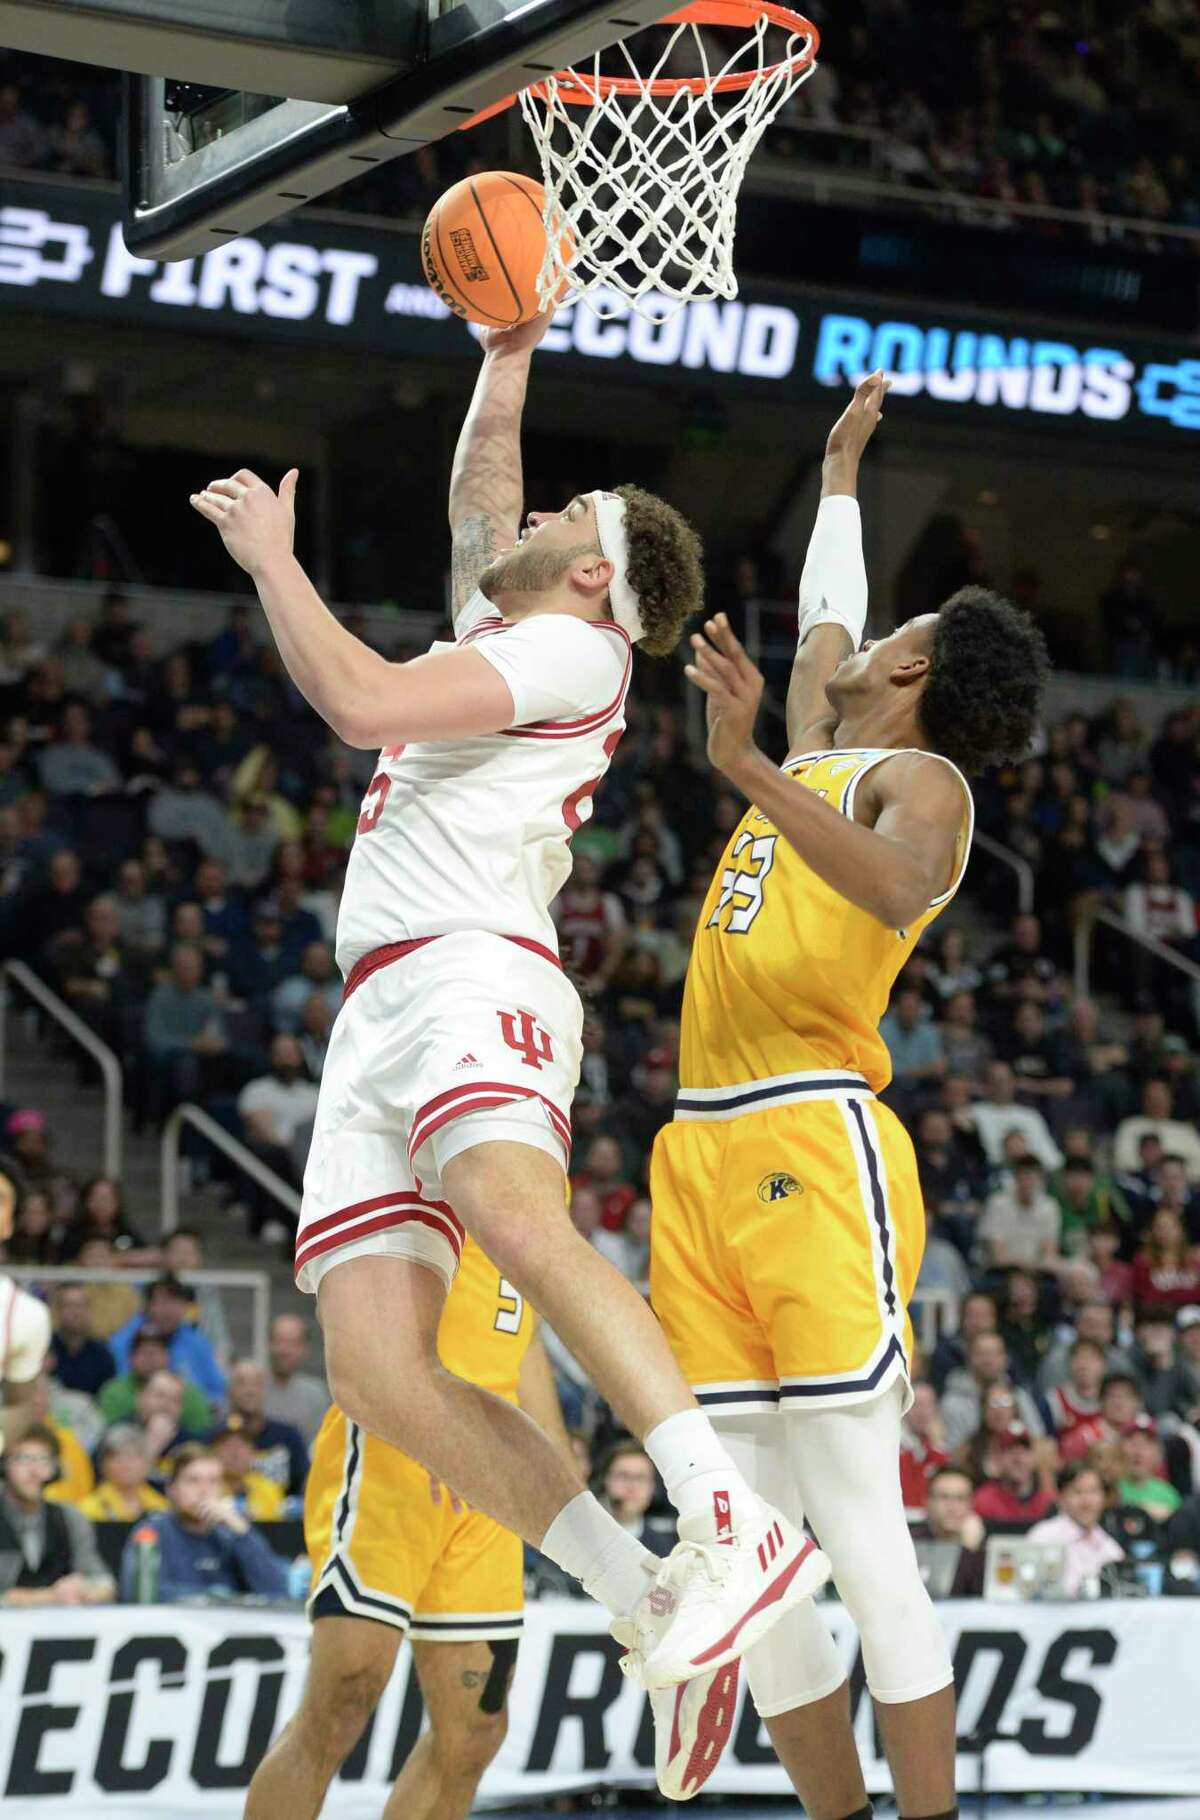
{"x": 723, "y": 1517}
{"x": 770, "y": 1546}
{"x": 468, "y": 1061}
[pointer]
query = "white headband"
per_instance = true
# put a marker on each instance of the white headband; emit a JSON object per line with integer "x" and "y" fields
{"x": 610, "y": 529}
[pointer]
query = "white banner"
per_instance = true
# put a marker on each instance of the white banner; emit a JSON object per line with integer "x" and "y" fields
{"x": 166, "y": 1709}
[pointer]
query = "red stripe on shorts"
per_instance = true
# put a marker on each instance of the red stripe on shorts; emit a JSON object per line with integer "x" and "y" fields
{"x": 363, "y": 1228}
{"x": 368, "y": 964}
{"x": 479, "y": 1096}
{"x": 401, "y": 1198}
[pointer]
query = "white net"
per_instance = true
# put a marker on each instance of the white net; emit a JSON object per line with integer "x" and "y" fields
{"x": 642, "y": 172}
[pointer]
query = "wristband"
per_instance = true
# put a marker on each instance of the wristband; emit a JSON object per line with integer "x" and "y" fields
{"x": 833, "y": 586}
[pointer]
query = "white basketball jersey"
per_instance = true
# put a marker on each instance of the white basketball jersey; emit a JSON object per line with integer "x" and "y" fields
{"x": 472, "y": 833}
{"x": 24, "y": 1334}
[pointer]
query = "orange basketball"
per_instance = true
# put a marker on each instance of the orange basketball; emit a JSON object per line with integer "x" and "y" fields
{"x": 482, "y": 248}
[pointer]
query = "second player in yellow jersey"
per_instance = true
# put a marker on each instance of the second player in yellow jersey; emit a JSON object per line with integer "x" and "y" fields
{"x": 386, "y": 1541}
{"x": 788, "y": 1220}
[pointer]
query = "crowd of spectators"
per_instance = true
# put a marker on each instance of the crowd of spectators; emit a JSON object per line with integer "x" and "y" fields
{"x": 145, "y": 1429}
{"x": 174, "y": 826}
{"x": 1070, "y": 107}
{"x": 1076, "y": 108}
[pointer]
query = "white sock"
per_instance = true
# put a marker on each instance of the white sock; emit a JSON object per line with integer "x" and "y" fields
{"x": 612, "y": 1565}
{"x": 702, "y": 1482}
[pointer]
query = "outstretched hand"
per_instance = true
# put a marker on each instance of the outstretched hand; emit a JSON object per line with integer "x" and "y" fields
{"x": 734, "y": 689}
{"x": 856, "y": 425}
{"x": 257, "y": 525}
{"x": 521, "y": 340}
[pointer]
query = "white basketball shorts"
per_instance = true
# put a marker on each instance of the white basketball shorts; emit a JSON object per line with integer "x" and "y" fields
{"x": 440, "y": 1044}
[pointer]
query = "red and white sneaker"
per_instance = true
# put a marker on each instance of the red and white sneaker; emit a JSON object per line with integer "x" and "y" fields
{"x": 713, "y": 1600}
{"x": 692, "y": 1723}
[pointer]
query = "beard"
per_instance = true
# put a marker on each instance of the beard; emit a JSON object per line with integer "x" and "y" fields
{"x": 526, "y": 569}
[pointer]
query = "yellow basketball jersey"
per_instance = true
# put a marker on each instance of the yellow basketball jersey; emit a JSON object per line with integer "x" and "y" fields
{"x": 486, "y": 1326}
{"x": 786, "y": 974}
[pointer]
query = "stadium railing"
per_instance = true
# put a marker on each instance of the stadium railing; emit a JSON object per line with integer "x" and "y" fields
{"x": 1085, "y": 930}
{"x": 16, "y": 973}
{"x": 229, "y": 1146}
{"x": 257, "y": 1283}
{"x": 1021, "y": 868}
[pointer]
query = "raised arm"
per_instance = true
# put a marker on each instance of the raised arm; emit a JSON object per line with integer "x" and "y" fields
{"x": 908, "y": 848}
{"x": 368, "y": 701}
{"x": 485, "y": 482}
{"x": 833, "y": 586}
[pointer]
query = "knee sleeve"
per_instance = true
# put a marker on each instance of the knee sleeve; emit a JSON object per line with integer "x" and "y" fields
{"x": 798, "y": 1662}
{"x": 845, "y": 1463}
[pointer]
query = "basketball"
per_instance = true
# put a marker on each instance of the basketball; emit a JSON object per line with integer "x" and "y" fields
{"x": 482, "y": 248}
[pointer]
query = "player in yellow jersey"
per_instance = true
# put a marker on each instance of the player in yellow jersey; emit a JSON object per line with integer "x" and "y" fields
{"x": 395, "y": 1554}
{"x": 788, "y": 1221}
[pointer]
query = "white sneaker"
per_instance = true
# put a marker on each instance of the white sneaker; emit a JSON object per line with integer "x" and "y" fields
{"x": 692, "y": 1723}
{"x": 712, "y": 1601}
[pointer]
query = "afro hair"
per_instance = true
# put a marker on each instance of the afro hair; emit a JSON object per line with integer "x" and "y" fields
{"x": 987, "y": 669}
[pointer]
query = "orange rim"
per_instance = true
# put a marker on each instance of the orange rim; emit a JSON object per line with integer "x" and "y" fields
{"x": 585, "y": 91}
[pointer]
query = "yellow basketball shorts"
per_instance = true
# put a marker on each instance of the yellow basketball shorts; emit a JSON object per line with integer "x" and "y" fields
{"x": 386, "y": 1542}
{"x": 787, "y": 1234}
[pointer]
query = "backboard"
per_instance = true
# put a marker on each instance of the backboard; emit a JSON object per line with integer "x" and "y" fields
{"x": 205, "y": 162}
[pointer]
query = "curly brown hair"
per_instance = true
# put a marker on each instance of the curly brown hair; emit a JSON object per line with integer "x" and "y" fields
{"x": 666, "y": 568}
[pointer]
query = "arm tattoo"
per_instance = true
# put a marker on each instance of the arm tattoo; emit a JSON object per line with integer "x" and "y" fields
{"x": 473, "y": 547}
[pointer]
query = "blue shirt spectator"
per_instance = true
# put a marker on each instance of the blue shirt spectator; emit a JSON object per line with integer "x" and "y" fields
{"x": 72, "y": 765}
{"x": 181, "y": 1010}
{"x": 316, "y": 973}
{"x": 914, "y": 1044}
{"x": 206, "y": 1546}
{"x": 189, "y": 1353}
{"x": 77, "y": 1359}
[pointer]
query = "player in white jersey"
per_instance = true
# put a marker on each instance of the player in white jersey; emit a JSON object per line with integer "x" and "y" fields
{"x": 24, "y": 1338}
{"x": 445, "y": 1101}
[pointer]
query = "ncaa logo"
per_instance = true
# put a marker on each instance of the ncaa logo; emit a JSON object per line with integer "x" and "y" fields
{"x": 777, "y": 1187}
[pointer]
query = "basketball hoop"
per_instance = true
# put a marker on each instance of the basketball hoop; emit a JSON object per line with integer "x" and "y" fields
{"x": 644, "y": 168}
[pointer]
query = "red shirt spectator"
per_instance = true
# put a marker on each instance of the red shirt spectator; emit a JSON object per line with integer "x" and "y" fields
{"x": 592, "y": 931}
{"x": 1014, "y": 1500}
{"x": 604, "y": 1173}
{"x": 1167, "y": 1271}
{"x": 1078, "y": 1442}
{"x": 1076, "y": 1402}
{"x": 1120, "y": 1405}
{"x": 921, "y": 1453}
{"x": 1115, "y": 1282}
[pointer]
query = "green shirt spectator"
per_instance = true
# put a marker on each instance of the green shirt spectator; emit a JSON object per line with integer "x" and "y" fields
{"x": 1087, "y": 1200}
{"x": 1141, "y": 1484}
{"x": 118, "y": 1399}
{"x": 1158, "y": 1499}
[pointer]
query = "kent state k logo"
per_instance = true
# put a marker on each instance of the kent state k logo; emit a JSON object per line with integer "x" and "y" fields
{"x": 777, "y": 1187}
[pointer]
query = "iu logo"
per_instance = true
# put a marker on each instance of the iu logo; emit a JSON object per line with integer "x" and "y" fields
{"x": 524, "y": 1034}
